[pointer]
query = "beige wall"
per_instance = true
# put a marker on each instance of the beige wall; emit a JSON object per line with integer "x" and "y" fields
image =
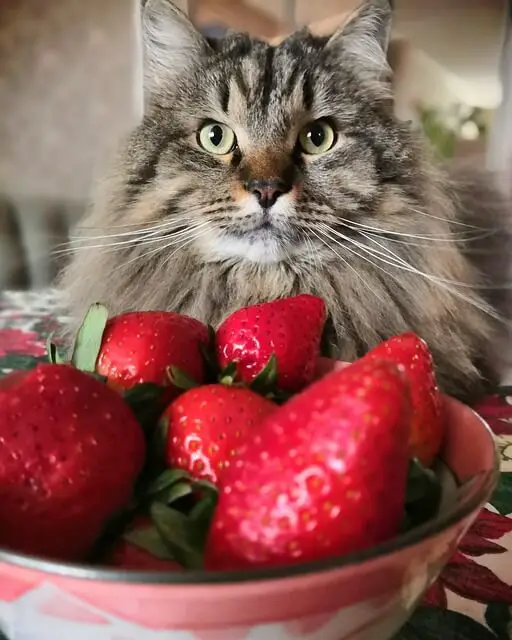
{"x": 66, "y": 91}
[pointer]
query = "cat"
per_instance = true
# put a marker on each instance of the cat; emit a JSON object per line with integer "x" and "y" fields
{"x": 263, "y": 171}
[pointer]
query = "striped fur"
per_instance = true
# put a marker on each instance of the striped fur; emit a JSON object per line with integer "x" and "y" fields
{"x": 388, "y": 239}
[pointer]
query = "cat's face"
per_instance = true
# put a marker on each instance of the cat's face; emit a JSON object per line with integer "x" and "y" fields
{"x": 254, "y": 148}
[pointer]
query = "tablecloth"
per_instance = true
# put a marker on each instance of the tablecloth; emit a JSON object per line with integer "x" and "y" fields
{"x": 472, "y": 600}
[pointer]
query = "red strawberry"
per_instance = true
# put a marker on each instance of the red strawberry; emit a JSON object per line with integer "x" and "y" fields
{"x": 427, "y": 424}
{"x": 70, "y": 453}
{"x": 129, "y": 556}
{"x": 290, "y": 329}
{"x": 140, "y": 346}
{"x": 325, "y": 475}
{"x": 141, "y": 550}
{"x": 205, "y": 425}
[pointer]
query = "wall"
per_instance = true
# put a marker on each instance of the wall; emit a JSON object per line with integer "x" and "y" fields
{"x": 66, "y": 91}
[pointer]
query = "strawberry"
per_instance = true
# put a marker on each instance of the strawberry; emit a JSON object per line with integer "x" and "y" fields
{"x": 412, "y": 354}
{"x": 205, "y": 424}
{"x": 325, "y": 474}
{"x": 141, "y": 346}
{"x": 71, "y": 453}
{"x": 289, "y": 329}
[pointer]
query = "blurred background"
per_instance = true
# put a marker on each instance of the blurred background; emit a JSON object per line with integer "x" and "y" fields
{"x": 69, "y": 89}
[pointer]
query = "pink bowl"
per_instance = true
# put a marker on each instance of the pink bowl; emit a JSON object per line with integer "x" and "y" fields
{"x": 366, "y": 596}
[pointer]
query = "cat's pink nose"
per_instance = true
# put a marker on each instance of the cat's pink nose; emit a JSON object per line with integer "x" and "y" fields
{"x": 267, "y": 191}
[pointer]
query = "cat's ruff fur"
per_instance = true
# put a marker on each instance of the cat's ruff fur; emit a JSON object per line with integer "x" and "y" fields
{"x": 387, "y": 239}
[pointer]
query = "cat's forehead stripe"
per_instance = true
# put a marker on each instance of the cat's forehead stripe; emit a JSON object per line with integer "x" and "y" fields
{"x": 266, "y": 84}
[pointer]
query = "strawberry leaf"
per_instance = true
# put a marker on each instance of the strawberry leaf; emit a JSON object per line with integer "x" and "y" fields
{"x": 146, "y": 402}
{"x": 180, "y": 379}
{"x": 202, "y": 514}
{"x": 176, "y": 492}
{"x": 328, "y": 339}
{"x": 166, "y": 480}
{"x": 266, "y": 379}
{"x": 148, "y": 539}
{"x": 53, "y": 354}
{"x": 208, "y": 355}
{"x": 88, "y": 340}
{"x": 423, "y": 494}
{"x": 180, "y": 535}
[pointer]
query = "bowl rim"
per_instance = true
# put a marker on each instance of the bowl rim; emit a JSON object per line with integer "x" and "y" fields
{"x": 487, "y": 483}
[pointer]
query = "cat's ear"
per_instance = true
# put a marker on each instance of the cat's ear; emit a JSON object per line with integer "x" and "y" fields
{"x": 364, "y": 36}
{"x": 171, "y": 43}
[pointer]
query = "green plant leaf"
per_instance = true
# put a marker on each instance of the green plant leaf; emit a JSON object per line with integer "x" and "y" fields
{"x": 149, "y": 539}
{"x": 19, "y": 362}
{"x": 498, "y": 616}
{"x": 180, "y": 534}
{"x": 431, "y": 623}
{"x": 88, "y": 340}
{"x": 502, "y": 498}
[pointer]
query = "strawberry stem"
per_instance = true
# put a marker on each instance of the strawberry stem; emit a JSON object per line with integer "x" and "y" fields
{"x": 89, "y": 337}
{"x": 228, "y": 376}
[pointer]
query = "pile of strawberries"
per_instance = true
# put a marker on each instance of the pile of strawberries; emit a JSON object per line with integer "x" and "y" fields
{"x": 162, "y": 444}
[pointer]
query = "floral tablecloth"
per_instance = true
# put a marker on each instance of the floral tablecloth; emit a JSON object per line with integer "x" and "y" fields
{"x": 473, "y": 598}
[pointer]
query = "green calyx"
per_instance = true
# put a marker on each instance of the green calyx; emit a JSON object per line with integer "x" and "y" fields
{"x": 87, "y": 342}
{"x": 264, "y": 384}
{"x": 180, "y": 379}
{"x": 423, "y": 495}
{"x": 88, "y": 339}
{"x": 182, "y": 509}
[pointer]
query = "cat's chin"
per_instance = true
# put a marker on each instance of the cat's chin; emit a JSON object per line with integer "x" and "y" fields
{"x": 261, "y": 247}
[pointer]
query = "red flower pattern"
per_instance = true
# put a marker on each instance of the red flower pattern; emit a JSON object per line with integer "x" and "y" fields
{"x": 496, "y": 410}
{"x": 20, "y": 342}
{"x": 467, "y": 578}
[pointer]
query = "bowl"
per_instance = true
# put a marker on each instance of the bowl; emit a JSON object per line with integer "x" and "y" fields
{"x": 364, "y": 596}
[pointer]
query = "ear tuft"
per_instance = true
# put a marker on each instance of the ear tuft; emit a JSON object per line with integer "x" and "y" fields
{"x": 171, "y": 43}
{"x": 364, "y": 37}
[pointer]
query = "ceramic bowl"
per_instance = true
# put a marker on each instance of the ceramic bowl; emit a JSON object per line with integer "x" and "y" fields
{"x": 365, "y": 596}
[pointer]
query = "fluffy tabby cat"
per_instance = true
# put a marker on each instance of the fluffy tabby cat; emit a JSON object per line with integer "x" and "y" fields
{"x": 262, "y": 171}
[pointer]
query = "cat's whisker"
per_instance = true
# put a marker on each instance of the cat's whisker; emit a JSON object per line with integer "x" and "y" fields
{"x": 120, "y": 246}
{"x": 195, "y": 232}
{"x": 387, "y": 252}
{"x": 437, "y": 281}
{"x": 184, "y": 244}
{"x": 175, "y": 220}
{"x": 454, "y": 222}
{"x": 446, "y": 237}
{"x": 430, "y": 242}
{"x": 350, "y": 266}
{"x": 469, "y": 235}
{"x": 312, "y": 250}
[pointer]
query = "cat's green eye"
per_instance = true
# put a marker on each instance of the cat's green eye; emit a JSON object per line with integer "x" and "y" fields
{"x": 217, "y": 138}
{"x": 317, "y": 137}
